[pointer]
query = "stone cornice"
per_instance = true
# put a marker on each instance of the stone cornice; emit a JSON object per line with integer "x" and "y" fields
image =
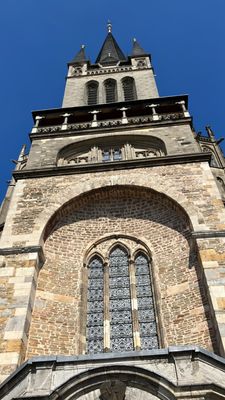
{"x": 111, "y": 166}
{"x": 130, "y": 362}
{"x": 23, "y": 250}
{"x": 207, "y": 234}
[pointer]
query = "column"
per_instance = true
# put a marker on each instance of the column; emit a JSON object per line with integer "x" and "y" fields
{"x": 65, "y": 122}
{"x": 37, "y": 121}
{"x": 183, "y": 106}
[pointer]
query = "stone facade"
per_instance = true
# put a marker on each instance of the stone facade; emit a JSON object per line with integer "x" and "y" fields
{"x": 75, "y": 91}
{"x": 165, "y": 203}
{"x": 173, "y": 373}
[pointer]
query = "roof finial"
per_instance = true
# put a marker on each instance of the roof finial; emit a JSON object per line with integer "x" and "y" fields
{"x": 109, "y": 26}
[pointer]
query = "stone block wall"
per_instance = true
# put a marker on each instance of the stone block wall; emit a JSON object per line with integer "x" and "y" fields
{"x": 178, "y": 139}
{"x": 183, "y": 310}
{"x": 75, "y": 90}
{"x": 41, "y": 202}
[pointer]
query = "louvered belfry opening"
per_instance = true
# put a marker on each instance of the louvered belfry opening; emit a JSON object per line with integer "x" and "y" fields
{"x": 110, "y": 91}
{"x": 129, "y": 89}
{"x": 92, "y": 93}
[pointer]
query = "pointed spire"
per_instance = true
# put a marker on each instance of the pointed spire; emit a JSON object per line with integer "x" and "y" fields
{"x": 80, "y": 57}
{"x": 110, "y": 52}
{"x": 137, "y": 49}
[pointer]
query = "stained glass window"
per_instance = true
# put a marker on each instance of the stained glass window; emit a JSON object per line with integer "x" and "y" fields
{"x": 109, "y": 288}
{"x": 121, "y": 334}
{"x": 95, "y": 306}
{"x": 146, "y": 312}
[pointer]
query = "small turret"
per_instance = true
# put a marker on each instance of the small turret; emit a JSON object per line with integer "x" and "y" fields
{"x": 137, "y": 50}
{"x": 80, "y": 57}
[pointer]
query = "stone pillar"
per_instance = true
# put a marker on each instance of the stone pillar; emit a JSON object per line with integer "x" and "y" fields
{"x": 65, "y": 122}
{"x": 37, "y": 119}
{"x": 106, "y": 308}
{"x": 134, "y": 307}
{"x": 18, "y": 274}
{"x": 211, "y": 248}
{"x": 124, "y": 116}
{"x": 94, "y": 123}
{"x": 155, "y": 116}
{"x": 183, "y": 106}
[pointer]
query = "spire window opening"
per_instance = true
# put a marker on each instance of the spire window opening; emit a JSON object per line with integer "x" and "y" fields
{"x": 129, "y": 89}
{"x": 92, "y": 93}
{"x": 110, "y": 91}
{"x": 120, "y": 306}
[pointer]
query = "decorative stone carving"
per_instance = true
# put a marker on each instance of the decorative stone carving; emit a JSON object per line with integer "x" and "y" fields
{"x": 141, "y": 63}
{"x": 76, "y": 71}
{"x": 113, "y": 390}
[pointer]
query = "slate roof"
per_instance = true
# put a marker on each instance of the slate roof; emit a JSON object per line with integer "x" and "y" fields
{"x": 80, "y": 56}
{"x": 137, "y": 49}
{"x": 110, "y": 51}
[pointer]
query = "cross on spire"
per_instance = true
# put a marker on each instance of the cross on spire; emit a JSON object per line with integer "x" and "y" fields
{"x": 109, "y": 26}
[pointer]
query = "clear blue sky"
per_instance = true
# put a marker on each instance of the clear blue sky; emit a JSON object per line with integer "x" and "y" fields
{"x": 38, "y": 37}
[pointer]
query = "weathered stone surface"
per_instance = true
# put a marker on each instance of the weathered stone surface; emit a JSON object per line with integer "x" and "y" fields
{"x": 162, "y": 374}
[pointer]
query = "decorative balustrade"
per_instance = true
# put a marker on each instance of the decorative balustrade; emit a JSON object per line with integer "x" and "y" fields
{"x": 145, "y": 119}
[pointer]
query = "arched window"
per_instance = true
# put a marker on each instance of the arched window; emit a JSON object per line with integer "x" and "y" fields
{"x": 120, "y": 306}
{"x": 95, "y": 306}
{"x": 146, "y": 310}
{"x": 121, "y": 332}
{"x": 110, "y": 91}
{"x": 129, "y": 89}
{"x": 92, "y": 93}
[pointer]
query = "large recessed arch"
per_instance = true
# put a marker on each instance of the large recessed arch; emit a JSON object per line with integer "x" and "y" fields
{"x": 62, "y": 197}
{"x": 135, "y": 211}
{"x": 131, "y": 376}
{"x": 140, "y": 190}
{"x": 139, "y": 142}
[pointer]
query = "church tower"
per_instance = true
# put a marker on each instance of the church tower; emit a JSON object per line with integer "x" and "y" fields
{"x": 112, "y": 248}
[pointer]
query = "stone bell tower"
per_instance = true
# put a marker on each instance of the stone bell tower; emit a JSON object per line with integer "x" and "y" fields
{"x": 112, "y": 249}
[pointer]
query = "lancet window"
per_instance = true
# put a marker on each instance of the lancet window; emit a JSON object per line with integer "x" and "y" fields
{"x": 92, "y": 93}
{"x": 110, "y": 91}
{"x": 120, "y": 305}
{"x": 129, "y": 89}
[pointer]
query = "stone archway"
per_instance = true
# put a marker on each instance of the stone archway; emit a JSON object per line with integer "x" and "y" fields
{"x": 134, "y": 211}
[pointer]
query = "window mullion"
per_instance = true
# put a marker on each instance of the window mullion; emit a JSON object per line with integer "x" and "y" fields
{"x": 134, "y": 306}
{"x": 106, "y": 308}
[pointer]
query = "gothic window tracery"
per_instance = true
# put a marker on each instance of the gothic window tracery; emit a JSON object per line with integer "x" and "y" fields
{"x": 120, "y": 305}
{"x": 129, "y": 89}
{"x": 95, "y": 306}
{"x": 112, "y": 153}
